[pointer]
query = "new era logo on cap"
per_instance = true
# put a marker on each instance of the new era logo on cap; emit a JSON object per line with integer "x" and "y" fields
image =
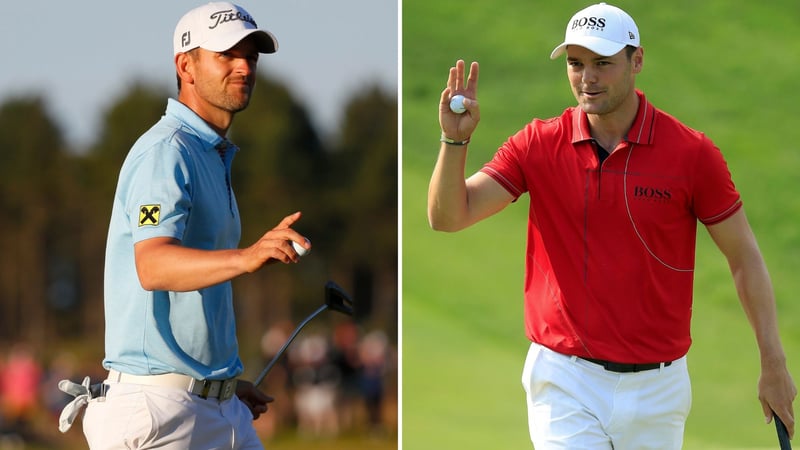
{"x": 219, "y": 26}
{"x": 602, "y": 28}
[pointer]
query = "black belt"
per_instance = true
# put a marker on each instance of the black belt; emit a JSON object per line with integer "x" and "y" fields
{"x": 626, "y": 368}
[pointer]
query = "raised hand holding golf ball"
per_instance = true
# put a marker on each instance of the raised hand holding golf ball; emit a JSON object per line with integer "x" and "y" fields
{"x": 301, "y": 251}
{"x": 457, "y": 104}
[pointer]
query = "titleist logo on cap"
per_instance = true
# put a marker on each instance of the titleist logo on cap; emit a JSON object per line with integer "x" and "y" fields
{"x": 227, "y": 15}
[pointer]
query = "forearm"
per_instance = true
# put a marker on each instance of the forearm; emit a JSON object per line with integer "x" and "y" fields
{"x": 172, "y": 267}
{"x": 756, "y": 295}
{"x": 164, "y": 264}
{"x": 447, "y": 192}
{"x": 776, "y": 390}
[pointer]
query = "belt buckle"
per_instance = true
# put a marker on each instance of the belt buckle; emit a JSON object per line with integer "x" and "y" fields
{"x": 206, "y": 389}
{"x": 228, "y": 389}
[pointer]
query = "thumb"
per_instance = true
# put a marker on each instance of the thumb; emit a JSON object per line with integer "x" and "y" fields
{"x": 768, "y": 413}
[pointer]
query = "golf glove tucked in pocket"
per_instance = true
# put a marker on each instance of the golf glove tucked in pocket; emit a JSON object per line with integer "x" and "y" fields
{"x": 83, "y": 393}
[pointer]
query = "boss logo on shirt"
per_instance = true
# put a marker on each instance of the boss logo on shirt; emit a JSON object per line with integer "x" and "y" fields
{"x": 149, "y": 215}
{"x": 651, "y": 193}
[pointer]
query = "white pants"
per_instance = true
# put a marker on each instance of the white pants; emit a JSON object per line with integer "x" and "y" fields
{"x": 133, "y": 416}
{"x": 575, "y": 404}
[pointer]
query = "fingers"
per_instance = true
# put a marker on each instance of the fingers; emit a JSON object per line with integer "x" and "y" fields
{"x": 276, "y": 245}
{"x": 776, "y": 392}
{"x": 289, "y": 220}
{"x": 789, "y": 428}
{"x": 785, "y": 414}
{"x": 460, "y": 126}
{"x": 292, "y": 235}
{"x": 256, "y": 409}
{"x": 451, "y": 80}
{"x": 251, "y": 396}
{"x": 444, "y": 101}
{"x": 282, "y": 249}
{"x": 285, "y": 232}
{"x": 472, "y": 81}
{"x": 458, "y": 84}
{"x": 459, "y": 75}
{"x": 788, "y": 420}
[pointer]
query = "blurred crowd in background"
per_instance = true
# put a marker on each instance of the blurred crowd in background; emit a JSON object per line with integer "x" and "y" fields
{"x": 329, "y": 383}
{"x": 336, "y": 380}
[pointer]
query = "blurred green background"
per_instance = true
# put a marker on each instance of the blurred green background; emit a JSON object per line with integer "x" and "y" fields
{"x": 726, "y": 68}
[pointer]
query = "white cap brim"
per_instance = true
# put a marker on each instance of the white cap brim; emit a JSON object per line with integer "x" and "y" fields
{"x": 265, "y": 41}
{"x": 602, "y": 47}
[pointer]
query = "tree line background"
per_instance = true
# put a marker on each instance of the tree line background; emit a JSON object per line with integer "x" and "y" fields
{"x": 56, "y": 204}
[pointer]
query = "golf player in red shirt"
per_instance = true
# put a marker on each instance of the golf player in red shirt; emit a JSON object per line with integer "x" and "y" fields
{"x": 616, "y": 189}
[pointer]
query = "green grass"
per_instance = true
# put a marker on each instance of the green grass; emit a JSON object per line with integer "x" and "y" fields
{"x": 726, "y": 68}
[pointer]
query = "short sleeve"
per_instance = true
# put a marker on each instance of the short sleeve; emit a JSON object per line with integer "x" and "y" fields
{"x": 157, "y": 195}
{"x": 505, "y": 166}
{"x": 715, "y": 197}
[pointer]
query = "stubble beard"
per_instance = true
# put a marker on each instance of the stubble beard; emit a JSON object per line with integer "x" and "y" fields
{"x": 236, "y": 102}
{"x": 230, "y": 98}
{"x": 607, "y": 103}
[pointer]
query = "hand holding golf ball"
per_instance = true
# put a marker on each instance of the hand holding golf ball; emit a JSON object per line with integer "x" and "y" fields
{"x": 459, "y": 97}
{"x": 457, "y": 104}
{"x": 301, "y": 251}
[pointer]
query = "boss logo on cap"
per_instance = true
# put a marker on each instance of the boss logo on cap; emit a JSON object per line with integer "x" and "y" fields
{"x": 594, "y": 23}
{"x": 221, "y": 17}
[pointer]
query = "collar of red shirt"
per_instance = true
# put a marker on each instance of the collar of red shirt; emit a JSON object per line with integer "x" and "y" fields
{"x": 641, "y": 131}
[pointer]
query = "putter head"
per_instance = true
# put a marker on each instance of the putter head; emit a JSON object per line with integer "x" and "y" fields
{"x": 337, "y": 299}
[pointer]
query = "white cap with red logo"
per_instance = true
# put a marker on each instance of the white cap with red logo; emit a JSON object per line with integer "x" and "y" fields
{"x": 219, "y": 26}
{"x": 602, "y": 28}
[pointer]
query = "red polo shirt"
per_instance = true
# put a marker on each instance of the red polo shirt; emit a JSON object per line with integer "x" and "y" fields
{"x": 611, "y": 248}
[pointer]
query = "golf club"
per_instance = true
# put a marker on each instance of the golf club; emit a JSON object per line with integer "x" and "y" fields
{"x": 335, "y": 298}
{"x": 783, "y": 434}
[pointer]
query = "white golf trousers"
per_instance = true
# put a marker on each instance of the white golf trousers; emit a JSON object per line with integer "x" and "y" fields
{"x": 133, "y": 416}
{"x": 575, "y": 404}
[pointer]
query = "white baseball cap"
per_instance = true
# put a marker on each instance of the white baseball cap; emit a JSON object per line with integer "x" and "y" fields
{"x": 602, "y": 28}
{"x": 219, "y": 26}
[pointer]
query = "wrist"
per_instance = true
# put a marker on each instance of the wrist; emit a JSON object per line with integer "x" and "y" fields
{"x": 455, "y": 142}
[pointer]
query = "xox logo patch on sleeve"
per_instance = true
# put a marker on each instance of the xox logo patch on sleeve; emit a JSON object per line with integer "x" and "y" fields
{"x": 149, "y": 215}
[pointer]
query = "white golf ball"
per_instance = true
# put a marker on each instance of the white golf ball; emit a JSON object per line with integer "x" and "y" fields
{"x": 457, "y": 104}
{"x": 301, "y": 251}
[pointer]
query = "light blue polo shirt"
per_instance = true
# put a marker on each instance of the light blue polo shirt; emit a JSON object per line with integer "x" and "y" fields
{"x": 173, "y": 183}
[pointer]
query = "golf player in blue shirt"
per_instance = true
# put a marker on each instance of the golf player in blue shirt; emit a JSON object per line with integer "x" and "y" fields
{"x": 172, "y": 250}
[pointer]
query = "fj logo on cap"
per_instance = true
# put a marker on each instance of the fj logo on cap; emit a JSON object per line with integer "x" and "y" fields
{"x": 186, "y": 38}
{"x": 149, "y": 215}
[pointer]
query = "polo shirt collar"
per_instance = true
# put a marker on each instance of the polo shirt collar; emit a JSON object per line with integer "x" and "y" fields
{"x": 641, "y": 131}
{"x": 199, "y": 126}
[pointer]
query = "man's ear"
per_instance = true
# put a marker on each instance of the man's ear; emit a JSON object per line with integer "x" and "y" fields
{"x": 638, "y": 60}
{"x": 184, "y": 66}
